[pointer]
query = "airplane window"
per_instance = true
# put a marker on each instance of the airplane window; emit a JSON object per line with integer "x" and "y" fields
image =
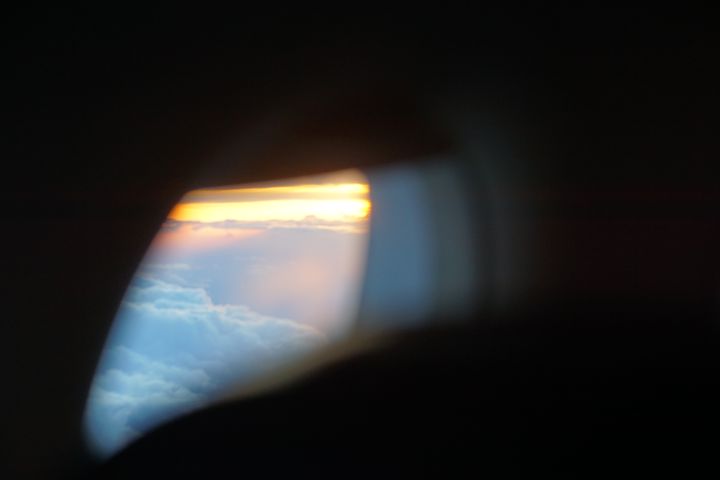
{"x": 237, "y": 280}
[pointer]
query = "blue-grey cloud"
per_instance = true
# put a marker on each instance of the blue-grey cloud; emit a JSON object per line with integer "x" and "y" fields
{"x": 172, "y": 349}
{"x": 190, "y": 324}
{"x": 309, "y": 275}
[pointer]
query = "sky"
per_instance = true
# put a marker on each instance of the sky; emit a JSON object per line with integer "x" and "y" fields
{"x": 237, "y": 280}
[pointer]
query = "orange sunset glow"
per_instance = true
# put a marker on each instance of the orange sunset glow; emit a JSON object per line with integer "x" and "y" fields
{"x": 334, "y": 202}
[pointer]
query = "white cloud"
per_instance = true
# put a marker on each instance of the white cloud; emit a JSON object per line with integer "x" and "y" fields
{"x": 172, "y": 349}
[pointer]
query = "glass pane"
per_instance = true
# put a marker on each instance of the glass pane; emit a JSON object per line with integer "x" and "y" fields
{"x": 238, "y": 280}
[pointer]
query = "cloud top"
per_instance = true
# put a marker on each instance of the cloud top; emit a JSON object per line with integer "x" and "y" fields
{"x": 172, "y": 349}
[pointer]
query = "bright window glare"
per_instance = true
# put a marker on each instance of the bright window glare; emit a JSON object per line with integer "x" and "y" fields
{"x": 238, "y": 279}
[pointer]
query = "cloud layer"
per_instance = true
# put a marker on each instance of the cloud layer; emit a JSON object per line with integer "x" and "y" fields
{"x": 309, "y": 275}
{"x": 172, "y": 348}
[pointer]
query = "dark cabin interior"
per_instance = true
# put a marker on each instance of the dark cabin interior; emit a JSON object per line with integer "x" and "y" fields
{"x": 595, "y": 348}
